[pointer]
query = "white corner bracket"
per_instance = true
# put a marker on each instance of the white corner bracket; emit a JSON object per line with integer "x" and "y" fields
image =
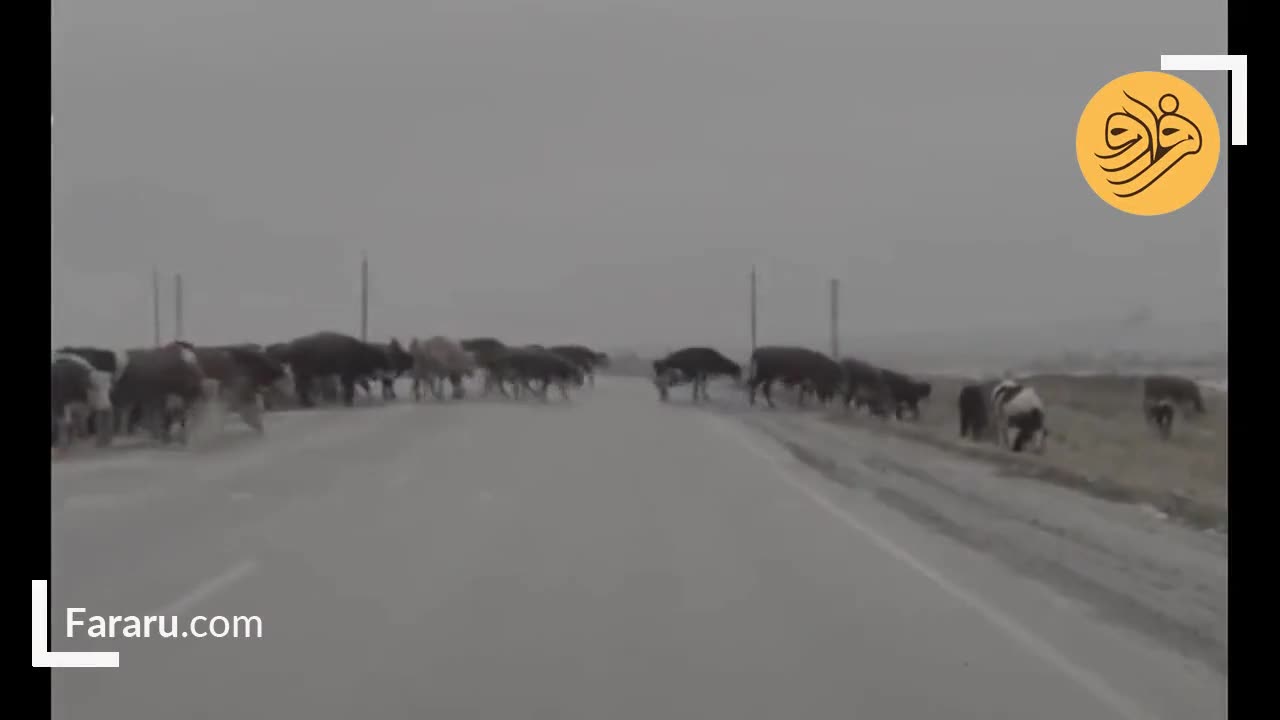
{"x": 1238, "y": 68}
{"x": 40, "y": 655}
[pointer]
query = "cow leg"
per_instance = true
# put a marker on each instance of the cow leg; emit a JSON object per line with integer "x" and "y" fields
{"x": 767, "y": 390}
{"x": 252, "y": 416}
{"x": 349, "y": 390}
{"x": 106, "y": 428}
{"x": 564, "y": 389}
{"x": 302, "y": 388}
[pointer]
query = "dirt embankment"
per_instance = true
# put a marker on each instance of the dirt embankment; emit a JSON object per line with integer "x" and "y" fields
{"x": 1099, "y": 443}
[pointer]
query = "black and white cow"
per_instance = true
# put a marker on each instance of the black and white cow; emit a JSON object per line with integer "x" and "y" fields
{"x": 77, "y": 392}
{"x": 1018, "y": 407}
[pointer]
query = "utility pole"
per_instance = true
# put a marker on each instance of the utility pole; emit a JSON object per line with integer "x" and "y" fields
{"x": 753, "y": 308}
{"x": 155, "y": 303}
{"x": 177, "y": 306}
{"x": 835, "y": 318}
{"x": 364, "y": 297}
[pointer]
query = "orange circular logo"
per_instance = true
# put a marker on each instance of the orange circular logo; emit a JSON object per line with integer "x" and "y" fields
{"x": 1148, "y": 143}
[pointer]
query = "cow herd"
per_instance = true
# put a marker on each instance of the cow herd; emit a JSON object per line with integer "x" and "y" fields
{"x": 105, "y": 394}
{"x": 1008, "y": 411}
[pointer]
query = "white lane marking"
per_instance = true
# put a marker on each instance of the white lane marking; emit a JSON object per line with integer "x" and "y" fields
{"x": 1090, "y": 682}
{"x": 210, "y": 587}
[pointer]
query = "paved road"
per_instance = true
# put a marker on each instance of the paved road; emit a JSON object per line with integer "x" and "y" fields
{"x": 612, "y": 558}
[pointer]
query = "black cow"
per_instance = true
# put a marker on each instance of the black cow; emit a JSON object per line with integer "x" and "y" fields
{"x": 907, "y": 392}
{"x": 524, "y": 365}
{"x": 798, "y": 365}
{"x": 485, "y": 350}
{"x": 866, "y": 386}
{"x": 973, "y": 411}
{"x": 154, "y": 379}
{"x": 1181, "y": 391}
{"x": 584, "y": 357}
{"x": 326, "y": 353}
{"x": 696, "y": 365}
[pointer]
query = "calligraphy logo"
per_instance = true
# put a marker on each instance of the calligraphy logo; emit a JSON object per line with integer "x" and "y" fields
{"x": 1148, "y": 143}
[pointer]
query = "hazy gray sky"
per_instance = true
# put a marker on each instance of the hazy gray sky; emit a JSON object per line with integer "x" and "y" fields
{"x": 608, "y": 170}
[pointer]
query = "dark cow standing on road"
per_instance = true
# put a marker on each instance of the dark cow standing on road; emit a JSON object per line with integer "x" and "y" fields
{"x": 156, "y": 379}
{"x": 584, "y": 357}
{"x": 973, "y": 411}
{"x": 796, "y": 364}
{"x": 866, "y": 386}
{"x": 1179, "y": 390}
{"x": 696, "y": 365}
{"x": 322, "y": 354}
{"x": 907, "y": 393}
{"x": 485, "y": 350}
{"x": 524, "y": 365}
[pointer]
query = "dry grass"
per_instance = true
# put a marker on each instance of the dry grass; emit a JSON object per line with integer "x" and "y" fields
{"x": 1099, "y": 442}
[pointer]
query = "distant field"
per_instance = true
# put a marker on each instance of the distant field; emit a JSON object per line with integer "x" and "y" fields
{"x": 1100, "y": 443}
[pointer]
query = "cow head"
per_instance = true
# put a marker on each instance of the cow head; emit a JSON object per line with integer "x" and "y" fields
{"x": 400, "y": 358}
{"x": 733, "y": 370}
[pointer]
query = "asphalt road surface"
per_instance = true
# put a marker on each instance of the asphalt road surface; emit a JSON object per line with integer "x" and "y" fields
{"x": 606, "y": 559}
